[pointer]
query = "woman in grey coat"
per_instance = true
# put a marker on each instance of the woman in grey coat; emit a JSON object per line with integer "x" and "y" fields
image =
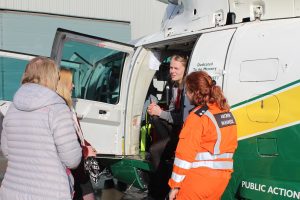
{"x": 39, "y": 138}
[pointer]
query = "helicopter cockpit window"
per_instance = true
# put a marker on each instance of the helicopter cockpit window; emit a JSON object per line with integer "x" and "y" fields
{"x": 98, "y": 73}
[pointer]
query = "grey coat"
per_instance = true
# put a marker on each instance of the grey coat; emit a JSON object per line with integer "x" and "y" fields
{"x": 172, "y": 115}
{"x": 39, "y": 140}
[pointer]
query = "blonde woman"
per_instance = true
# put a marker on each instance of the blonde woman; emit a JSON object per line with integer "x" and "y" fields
{"x": 83, "y": 186}
{"x": 167, "y": 124}
{"x": 39, "y": 138}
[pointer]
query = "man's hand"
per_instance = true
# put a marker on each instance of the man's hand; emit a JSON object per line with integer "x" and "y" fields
{"x": 154, "y": 109}
{"x": 173, "y": 194}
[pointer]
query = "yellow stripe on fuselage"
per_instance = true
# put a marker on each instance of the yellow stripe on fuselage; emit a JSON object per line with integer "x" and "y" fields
{"x": 268, "y": 113}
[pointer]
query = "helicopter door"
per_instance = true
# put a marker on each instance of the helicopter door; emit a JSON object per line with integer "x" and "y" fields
{"x": 100, "y": 69}
{"x": 209, "y": 55}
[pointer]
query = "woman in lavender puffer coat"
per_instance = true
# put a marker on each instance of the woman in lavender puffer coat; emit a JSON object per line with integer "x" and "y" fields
{"x": 39, "y": 138}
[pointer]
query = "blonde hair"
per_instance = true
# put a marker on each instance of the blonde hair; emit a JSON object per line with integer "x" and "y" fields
{"x": 181, "y": 58}
{"x": 42, "y": 71}
{"x": 63, "y": 90}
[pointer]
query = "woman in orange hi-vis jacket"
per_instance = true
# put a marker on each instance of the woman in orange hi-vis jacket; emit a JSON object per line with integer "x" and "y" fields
{"x": 203, "y": 163}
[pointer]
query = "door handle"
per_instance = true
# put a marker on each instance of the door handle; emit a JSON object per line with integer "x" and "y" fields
{"x": 102, "y": 112}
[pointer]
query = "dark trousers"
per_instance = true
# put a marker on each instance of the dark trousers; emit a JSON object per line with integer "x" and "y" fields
{"x": 82, "y": 183}
{"x": 162, "y": 154}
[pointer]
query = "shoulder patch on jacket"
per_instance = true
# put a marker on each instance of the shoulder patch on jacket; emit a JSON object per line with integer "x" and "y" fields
{"x": 201, "y": 110}
{"x": 225, "y": 119}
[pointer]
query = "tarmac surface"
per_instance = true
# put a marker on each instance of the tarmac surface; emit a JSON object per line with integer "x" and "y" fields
{"x": 105, "y": 190}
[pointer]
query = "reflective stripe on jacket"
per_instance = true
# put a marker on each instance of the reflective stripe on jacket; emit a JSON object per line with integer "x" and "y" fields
{"x": 208, "y": 139}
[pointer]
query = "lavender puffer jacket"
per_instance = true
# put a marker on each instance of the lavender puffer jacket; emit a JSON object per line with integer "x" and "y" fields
{"x": 39, "y": 140}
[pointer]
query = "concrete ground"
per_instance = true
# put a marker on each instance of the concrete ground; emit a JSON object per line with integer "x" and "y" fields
{"x": 3, "y": 164}
{"x": 102, "y": 191}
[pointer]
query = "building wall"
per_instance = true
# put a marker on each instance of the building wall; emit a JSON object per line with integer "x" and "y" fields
{"x": 144, "y": 16}
{"x": 33, "y": 33}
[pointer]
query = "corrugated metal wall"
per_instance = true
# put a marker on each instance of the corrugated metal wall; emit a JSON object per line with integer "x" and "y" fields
{"x": 34, "y": 33}
{"x": 144, "y": 15}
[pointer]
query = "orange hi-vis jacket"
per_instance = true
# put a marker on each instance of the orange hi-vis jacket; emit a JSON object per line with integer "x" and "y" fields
{"x": 207, "y": 142}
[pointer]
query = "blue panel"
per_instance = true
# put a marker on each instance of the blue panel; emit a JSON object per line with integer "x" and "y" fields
{"x": 11, "y": 71}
